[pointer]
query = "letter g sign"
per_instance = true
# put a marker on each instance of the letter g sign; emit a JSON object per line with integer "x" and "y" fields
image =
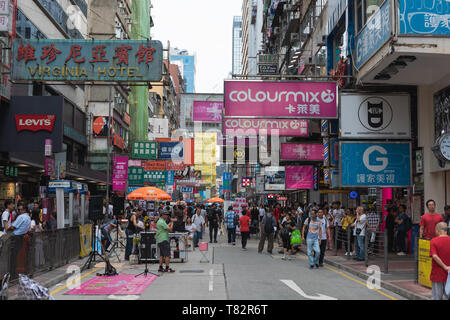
{"x": 377, "y": 167}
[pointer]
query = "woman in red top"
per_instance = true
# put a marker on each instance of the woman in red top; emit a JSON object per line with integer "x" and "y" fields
{"x": 244, "y": 225}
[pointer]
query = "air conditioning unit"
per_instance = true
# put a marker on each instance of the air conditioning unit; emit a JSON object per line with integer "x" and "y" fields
{"x": 295, "y": 36}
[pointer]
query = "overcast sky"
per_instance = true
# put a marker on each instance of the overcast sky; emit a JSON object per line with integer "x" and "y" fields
{"x": 203, "y": 27}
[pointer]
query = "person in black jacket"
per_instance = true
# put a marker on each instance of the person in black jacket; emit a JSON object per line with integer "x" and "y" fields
{"x": 390, "y": 227}
{"x": 212, "y": 219}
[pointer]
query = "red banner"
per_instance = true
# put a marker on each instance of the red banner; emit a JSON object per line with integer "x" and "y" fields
{"x": 154, "y": 165}
{"x": 175, "y": 166}
{"x": 35, "y": 122}
{"x": 118, "y": 141}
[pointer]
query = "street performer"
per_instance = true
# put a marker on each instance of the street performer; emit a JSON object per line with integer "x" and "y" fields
{"x": 162, "y": 239}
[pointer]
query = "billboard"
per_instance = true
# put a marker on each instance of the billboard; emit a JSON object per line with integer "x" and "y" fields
{"x": 171, "y": 150}
{"x": 100, "y": 127}
{"x": 208, "y": 111}
{"x": 301, "y": 151}
{"x": 144, "y": 150}
{"x": 299, "y": 177}
{"x": 87, "y": 60}
{"x": 120, "y": 173}
{"x": 417, "y": 18}
{"x": 274, "y": 178}
{"x": 27, "y": 122}
{"x": 281, "y": 99}
{"x": 369, "y": 164}
{"x": 375, "y": 116}
{"x": 154, "y": 165}
{"x": 282, "y": 127}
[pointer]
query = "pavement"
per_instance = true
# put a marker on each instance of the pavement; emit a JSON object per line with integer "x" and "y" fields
{"x": 234, "y": 274}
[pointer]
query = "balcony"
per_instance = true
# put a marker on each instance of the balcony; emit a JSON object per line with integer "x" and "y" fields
{"x": 398, "y": 43}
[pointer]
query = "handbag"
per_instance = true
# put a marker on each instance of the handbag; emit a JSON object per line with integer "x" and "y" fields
{"x": 296, "y": 237}
{"x": 358, "y": 231}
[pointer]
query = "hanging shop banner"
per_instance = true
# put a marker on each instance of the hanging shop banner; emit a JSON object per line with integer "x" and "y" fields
{"x": 87, "y": 60}
{"x": 274, "y": 178}
{"x": 120, "y": 173}
{"x": 171, "y": 150}
{"x": 425, "y": 262}
{"x": 134, "y": 163}
{"x": 299, "y": 177}
{"x": 334, "y": 151}
{"x": 154, "y": 177}
{"x": 176, "y": 166}
{"x": 367, "y": 164}
{"x": 136, "y": 176}
{"x": 49, "y": 168}
{"x": 158, "y": 128}
{"x": 85, "y": 240}
{"x": 424, "y": 17}
{"x": 375, "y": 116}
{"x": 145, "y": 150}
{"x": 100, "y": 127}
{"x": 208, "y": 111}
{"x": 301, "y": 151}
{"x": 374, "y": 34}
{"x": 253, "y": 127}
{"x": 154, "y": 165}
{"x": 118, "y": 141}
{"x": 281, "y": 99}
{"x": 170, "y": 178}
{"x": 183, "y": 174}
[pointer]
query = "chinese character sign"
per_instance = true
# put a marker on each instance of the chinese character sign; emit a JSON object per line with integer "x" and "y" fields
{"x": 144, "y": 150}
{"x": 287, "y": 99}
{"x": 301, "y": 151}
{"x": 154, "y": 177}
{"x": 208, "y": 111}
{"x": 87, "y": 60}
{"x": 375, "y": 164}
{"x": 299, "y": 177}
{"x": 171, "y": 150}
{"x": 424, "y": 17}
{"x": 376, "y": 32}
{"x": 136, "y": 176}
{"x": 120, "y": 173}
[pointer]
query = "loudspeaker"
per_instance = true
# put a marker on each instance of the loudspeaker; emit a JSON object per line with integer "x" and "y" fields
{"x": 147, "y": 248}
{"x": 95, "y": 208}
{"x": 118, "y": 205}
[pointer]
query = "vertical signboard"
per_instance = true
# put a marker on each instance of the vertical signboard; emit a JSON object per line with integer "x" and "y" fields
{"x": 120, "y": 173}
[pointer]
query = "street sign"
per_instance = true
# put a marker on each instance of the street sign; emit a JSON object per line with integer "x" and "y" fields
{"x": 268, "y": 59}
{"x": 369, "y": 164}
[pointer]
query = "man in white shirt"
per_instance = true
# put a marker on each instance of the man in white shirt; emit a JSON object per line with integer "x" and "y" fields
{"x": 359, "y": 233}
{"x": 338, "y": 214}
{"x": 325, "y": 230}
{"x": 299, "y": 209}
{"x": 110, "y": 210}
{"x": 8, "y": 215}
{"x": 262, "y": 212}
{"x": 198, "y": 221}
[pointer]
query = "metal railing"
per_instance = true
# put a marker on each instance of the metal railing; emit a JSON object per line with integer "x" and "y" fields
{"x": 38, "y": 252}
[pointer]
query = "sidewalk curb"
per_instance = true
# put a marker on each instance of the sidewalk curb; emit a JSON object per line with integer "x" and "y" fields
{"x": 384, "y": 284}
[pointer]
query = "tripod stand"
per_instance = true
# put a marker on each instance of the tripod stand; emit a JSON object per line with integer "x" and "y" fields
{"x": 116, "y": 242}
{"x": 146, "y": 271}
{"x": 94, "y": 252}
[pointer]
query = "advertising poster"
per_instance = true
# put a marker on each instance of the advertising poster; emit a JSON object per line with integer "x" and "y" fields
{"x": 274, "y": 178}
{"x": 424, "y": 263}
{"x": 120, "y": 173}
{"x": 208, "y": 111}
{"x": 299, "y": 177}
{"x": 100, "y": 127}
{"x": 302, "y": 151}
{"x": 171, "y": 150}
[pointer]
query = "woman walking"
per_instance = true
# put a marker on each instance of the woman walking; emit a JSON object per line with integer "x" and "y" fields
{"x": 244, "y": 225}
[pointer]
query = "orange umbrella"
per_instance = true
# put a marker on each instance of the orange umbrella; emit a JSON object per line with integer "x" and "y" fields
{"x": 149, "y": 194}
{"x": 215, "y": 200}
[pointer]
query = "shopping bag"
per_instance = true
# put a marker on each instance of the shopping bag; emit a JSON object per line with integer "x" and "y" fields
{"x": 31, "y": 290}
{"x": 447, "y": 286}
{"x": 296, "y": 238}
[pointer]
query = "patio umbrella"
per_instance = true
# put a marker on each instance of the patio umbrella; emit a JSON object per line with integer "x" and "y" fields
{"x": 149, "y": 194}
{"x": 215, "y": 200}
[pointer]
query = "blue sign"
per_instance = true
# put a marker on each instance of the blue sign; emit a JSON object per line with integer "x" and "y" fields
{"x": 170, "y": 178}
{"x": 132, "y": 188}
{"x": 375, "y": 33}
{"x": 227, "y": 179}
{"x": 353, "y": 195}
{"x": 187, "y": 189}
{"x": 424, "y": 17}
{"x": 171, "y": 150}
{"x": 375, "y": 164}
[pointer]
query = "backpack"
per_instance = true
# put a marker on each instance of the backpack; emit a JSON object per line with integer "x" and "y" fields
{"x": 236, "y": 219}
{"x": 268, "y": 224}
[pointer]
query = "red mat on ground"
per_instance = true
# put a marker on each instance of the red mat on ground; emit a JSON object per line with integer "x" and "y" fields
{"x": 125, "y": 284}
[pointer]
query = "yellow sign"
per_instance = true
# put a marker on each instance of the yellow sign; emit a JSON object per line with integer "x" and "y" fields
{"x": 424, "y": 263}
{"x": 85, "y": 240}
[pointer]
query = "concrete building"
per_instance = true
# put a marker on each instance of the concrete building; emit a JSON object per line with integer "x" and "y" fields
{"x": 237, "y": 45}
{"x": 186, "y": 63}
{"x": 252, "y": 23}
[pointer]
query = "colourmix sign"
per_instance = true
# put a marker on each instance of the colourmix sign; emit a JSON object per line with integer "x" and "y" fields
{"x": 87, "y": 60}
{"x": 368, "y": 164}
{"x": 281, "y": 99}
{"x": 289, "y": 127}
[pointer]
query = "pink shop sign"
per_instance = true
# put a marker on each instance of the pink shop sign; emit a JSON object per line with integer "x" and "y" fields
{"x": 299, "y": 177}
{"x": 282, "y": 127}
{"x": 281, "y": 99}
{"x": 208, "y": 111}
{"x": 301, "y": 151}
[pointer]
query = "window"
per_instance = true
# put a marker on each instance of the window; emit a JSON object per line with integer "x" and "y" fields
{"x": 26, "y": 29}
{"x": 364, "y": 10}
{"x": 80, "y": 121}
{"x": 57, "y": 12}
{"x": 68, "y": 113}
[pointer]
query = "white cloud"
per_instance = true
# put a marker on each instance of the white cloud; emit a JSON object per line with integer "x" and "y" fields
{"x": 203, "y": 27}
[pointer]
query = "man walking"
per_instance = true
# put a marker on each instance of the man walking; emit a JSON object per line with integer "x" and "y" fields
{"x": 199, "y": 222}
{"x": 212, "y": 219}
{"x": 313, "y": 239}
{"x": 440, "y": 268}
{"x": 231, "y": 228}
{"x": 359, "y": 233}
{"x": 267, "y": 228}
{"x": 162, "y": 239}
{"x": 429, "y": 221}
{"x": 324, "y": 231}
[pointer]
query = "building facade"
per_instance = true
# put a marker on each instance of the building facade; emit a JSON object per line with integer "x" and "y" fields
{"x": 252, "y": 22}
{"x": 237, "y": 45}
{"x": 186, "y": 63}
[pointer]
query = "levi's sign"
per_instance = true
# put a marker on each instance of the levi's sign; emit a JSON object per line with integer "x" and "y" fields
{"x": 35, "y": 122}
{"x": 84, "y": 60}
{"x": 281, "y": 99}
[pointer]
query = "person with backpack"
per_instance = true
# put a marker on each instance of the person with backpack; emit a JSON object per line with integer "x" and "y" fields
{"x": 212, "y": 220}
{"x": 230, "y": 222}
{"x": 268, "y": 227}
{"x": 403, "y": 226}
